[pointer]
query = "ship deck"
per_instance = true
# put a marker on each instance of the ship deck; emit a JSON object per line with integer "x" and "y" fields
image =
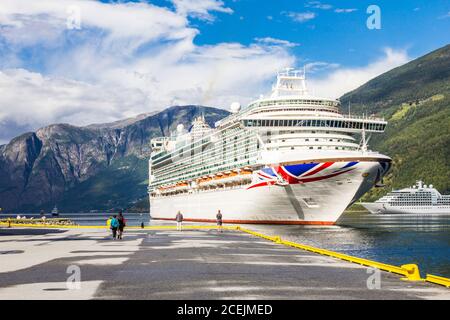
{"x": 192, "y": 264}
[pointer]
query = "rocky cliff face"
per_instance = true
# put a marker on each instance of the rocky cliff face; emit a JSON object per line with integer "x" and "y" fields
{"x": 41, "y": 168}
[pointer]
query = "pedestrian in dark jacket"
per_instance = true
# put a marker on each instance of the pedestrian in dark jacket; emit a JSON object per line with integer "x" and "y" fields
{"x": 114, "y": 226}
{"x": 122, "y": 224}
{"x": 219, "y": 221}
{"x": 179, "y": 218}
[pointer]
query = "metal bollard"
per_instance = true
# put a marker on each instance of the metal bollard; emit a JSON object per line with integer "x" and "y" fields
{"x": 413, "y": 272}
{"x": 277, "y": 239}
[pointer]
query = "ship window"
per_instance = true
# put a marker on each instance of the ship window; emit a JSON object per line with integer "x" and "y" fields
{"x": 311, "y": 147}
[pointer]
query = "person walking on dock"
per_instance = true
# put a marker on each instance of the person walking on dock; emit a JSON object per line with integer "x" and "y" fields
{"x": 122, "y": 224}
{"x": 114, "y": 226}
{"x": 179, "y": 218}
{"x": 108, "y": 222}
{"x": 219, "y": 221}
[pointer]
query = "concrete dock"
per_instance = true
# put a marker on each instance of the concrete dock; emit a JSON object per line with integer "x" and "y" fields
{"x": 192, "y": 264}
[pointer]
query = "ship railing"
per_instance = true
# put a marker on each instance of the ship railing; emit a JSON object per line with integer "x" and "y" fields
{"x": 358, "y": 117}
{"x": 337, "y": 116}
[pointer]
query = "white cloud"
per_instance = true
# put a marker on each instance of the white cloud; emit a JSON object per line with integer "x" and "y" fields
{"x": 318, "y": 5}
{"x": 317, "y": 66}
{"x": 301, "y": 16}
{"x": 345, "y": 79}
{"x": 341, "y": 10}
{"x": 132, "y": 58}
{"x": 140, "y": 22}
{"x": 278, "y": 42}
{"x": 128, "y": 58}
{"x": 32, "y": 99}
{"x": 200, "y": 8}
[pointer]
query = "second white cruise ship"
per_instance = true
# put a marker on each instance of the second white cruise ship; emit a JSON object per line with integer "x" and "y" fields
{"x": 420, "y": 199}
{"x": 291, "y": 158}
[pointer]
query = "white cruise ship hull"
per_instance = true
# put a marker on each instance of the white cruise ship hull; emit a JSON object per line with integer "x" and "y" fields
{"x": 384, "y": 208}
{"x": 312, "y": 193}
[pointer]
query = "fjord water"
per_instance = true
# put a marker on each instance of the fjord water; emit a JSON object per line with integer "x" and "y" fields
{"x": 393, "y": 239}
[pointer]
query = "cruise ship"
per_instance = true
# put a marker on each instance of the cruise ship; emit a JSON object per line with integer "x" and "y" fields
{"x": 420, "y": 199}
{"x": 288, "y": 158}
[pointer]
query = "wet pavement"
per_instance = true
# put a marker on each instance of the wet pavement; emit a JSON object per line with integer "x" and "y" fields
{"x": 204, "y": 264}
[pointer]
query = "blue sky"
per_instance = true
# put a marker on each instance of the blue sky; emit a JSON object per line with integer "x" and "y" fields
{"x": 87, "y": 61}
{"x": 419, "y": 26}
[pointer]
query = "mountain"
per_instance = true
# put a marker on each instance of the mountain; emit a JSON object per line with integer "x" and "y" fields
{"x": 415, "y": 100}
{"x": 100, "y": 166}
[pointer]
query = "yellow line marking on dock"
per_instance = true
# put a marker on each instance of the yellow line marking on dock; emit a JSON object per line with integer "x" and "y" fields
{"x": 409, "y": 271}
{"x": 438, "y": 280}
{"x": 41, "y": 225}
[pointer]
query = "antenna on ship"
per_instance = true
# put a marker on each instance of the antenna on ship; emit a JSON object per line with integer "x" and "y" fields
{"x": 363, "y": 140}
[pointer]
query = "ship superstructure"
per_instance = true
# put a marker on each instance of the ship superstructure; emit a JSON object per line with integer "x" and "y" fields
{"x": 420, "y": 199}
{"x": 288, "y": 158}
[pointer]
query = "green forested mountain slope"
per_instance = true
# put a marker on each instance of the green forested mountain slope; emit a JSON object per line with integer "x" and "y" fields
{"x": 415, "y": 99}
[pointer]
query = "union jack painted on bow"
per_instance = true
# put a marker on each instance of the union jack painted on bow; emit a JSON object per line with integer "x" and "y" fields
{"x": 301, "y": 173}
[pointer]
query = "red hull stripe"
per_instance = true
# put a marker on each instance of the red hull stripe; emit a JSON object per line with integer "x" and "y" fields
{"x": 261, "y": 184}
{"x": 322, "y": 167}
{"x": 325, "y": 223}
